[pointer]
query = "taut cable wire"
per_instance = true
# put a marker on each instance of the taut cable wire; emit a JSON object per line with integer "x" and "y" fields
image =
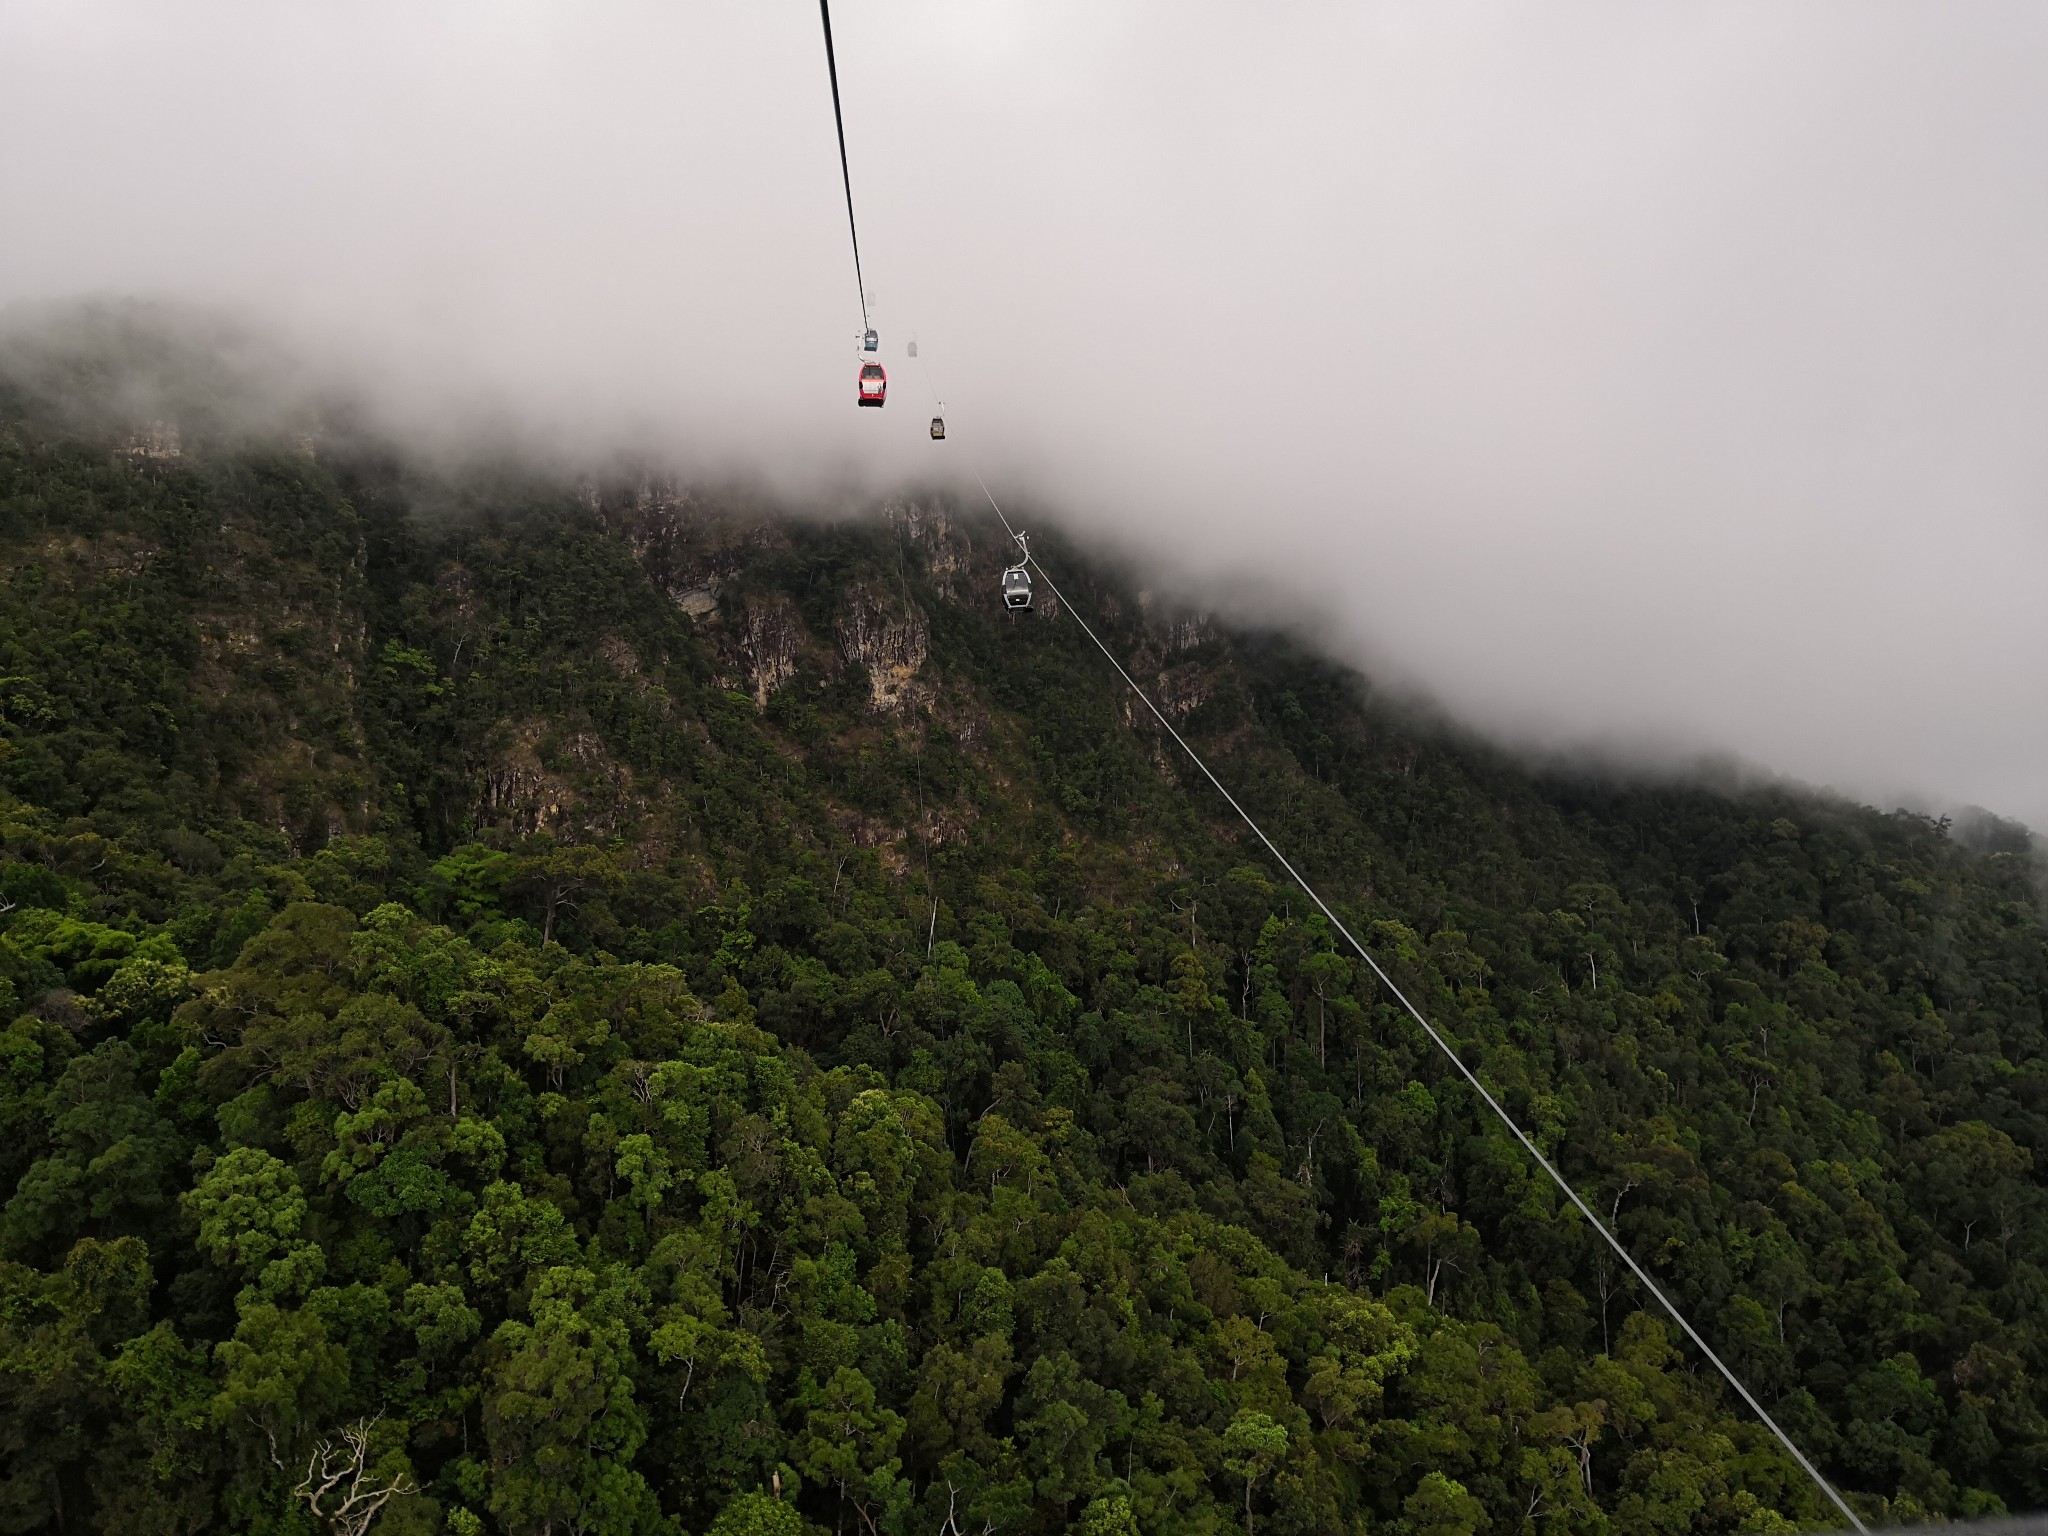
{"x": 1442, "y": 1043}
{"x": 1025, "y": 557}
{"x": 845, "y": 173}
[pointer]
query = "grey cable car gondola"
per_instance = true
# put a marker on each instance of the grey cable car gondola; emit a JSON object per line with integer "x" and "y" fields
{"x": 1016, "y": 587}
{"x": 938, "y": 429}
{"x": 913, "y": 349}
{"x": 870, "y": 342}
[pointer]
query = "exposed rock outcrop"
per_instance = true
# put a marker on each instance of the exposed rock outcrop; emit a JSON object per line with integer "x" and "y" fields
{"x": 1183, "y": 690}
{"x": 620, "y": 656}
{"x": 522, "y": 790}
{"x": 891, "y": 641}
{"x": 932, "y": 532}
{"x": 771, "y": 639}
{"x": 158, "y": 442}
{"x": 691, "y": 549}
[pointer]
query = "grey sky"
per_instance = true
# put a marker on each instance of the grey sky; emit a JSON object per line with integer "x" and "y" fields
{"x": 1672, "y": 379}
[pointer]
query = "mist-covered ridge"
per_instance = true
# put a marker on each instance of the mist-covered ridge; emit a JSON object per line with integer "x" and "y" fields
{"x": 599, "y": 1003}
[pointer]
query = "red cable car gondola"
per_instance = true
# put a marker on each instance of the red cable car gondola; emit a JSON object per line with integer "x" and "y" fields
{"x": 874, "y": 384}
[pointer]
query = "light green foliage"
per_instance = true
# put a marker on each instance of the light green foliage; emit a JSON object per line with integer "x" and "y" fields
{"x": 281, "y": 1374}
{"x": 1253, "y": 1446}
{"x": 645, "y": 1168}
{"x": 143, "y": 987}
{"x": 756, "y": 1514}
{"x": 849, "y": 1439}
{"x": 515, "y": 1233}
{"x": 1440, "y": 1506}
{"x": 249, "y": 1209}
{"x": 1109, "y": 1514}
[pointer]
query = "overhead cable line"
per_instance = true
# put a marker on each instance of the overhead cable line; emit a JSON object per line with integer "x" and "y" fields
{"x": 1442, "y": 1043}
{"x": 1026, "y": 558}
{"x": 845, "y": 173}
{"x": 1017, "y": 538}
{"x": 939, "y": 400}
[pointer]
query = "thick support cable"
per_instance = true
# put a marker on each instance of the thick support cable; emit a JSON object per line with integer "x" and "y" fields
{"x": 1444, "y": 1045}
{"x": 845, "y": 174}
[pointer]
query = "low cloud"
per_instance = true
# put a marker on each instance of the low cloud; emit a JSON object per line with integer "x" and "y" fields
{"x": 1661, "y": 382}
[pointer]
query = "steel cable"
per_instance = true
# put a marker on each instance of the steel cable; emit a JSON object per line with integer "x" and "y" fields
{"x": 1442, "y": 1043}
{"x": 1026, "y": 558}
{"x": 845, "y": 172}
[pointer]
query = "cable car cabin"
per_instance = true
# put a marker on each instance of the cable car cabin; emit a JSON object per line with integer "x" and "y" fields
{"x": 913, "y": 349}
{"x": 870, "y": 342}
{"x": 1016, "y": 587}
{"x": 938, "y": 429}
{"x": 874, "y": 384}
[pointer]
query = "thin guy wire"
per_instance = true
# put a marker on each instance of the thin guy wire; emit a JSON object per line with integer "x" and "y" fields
{"x": 1444, "y": 1045}
{"x": 940, "y": 401}
{"x": 845, "y": 174}
{"x": 1018, "y": 539}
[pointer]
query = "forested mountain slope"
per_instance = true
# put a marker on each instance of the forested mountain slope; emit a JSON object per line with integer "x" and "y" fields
{"x": 639, "y": 1003}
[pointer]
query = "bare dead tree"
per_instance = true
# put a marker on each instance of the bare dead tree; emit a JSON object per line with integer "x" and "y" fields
{"x": 340, "y": 1487}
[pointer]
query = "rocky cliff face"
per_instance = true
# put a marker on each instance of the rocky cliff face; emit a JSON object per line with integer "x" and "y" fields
{"x": 1183, "y": 690}
{"x": 691, "y": 547}
{"x": 546, "y": 780}
{"x": 932, "y": 531}
{"x": 159, "y": 442}
{"x": 889, "y": 640}
{"x": 771, "y": 638}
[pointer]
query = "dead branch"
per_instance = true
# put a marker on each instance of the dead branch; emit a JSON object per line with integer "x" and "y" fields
{"x": 339, "y": 1486}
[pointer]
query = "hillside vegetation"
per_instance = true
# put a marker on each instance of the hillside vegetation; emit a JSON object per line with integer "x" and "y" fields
{"x": 601, "y": 1008}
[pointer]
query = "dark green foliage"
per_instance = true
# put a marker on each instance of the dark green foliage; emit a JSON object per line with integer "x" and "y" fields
{"x": 817, "y": 1064}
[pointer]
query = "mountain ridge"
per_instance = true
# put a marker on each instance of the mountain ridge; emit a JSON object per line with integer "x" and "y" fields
{"x": 479, "y": 936}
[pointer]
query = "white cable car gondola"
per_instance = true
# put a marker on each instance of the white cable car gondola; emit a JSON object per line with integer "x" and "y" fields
{"x": 1016, "y": 587}
{"x": 874, "y": 384}
{"x": 870, "y": 342}
{"x": 938, "y": 429}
